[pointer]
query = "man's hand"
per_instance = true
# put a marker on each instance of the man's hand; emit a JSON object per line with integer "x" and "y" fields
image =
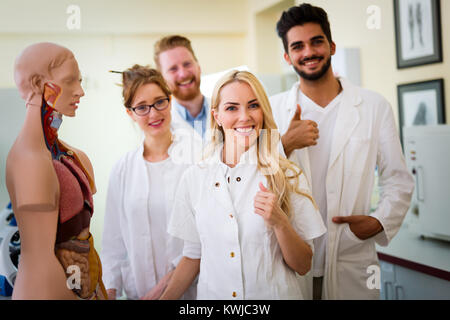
{"x": 362, "y": 226}
{"x": 300, "y": 134}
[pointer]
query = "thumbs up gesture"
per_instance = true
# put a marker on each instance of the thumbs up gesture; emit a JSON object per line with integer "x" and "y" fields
{"x": 266, "y": 205}
{"x": 300, "y": 134}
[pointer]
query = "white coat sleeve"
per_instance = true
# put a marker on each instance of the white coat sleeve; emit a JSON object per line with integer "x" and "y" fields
{"x": 305, "y": 216}
{"x": 395, "y": 183}
{"x": 182, "y": 222}
{"x": 113, "y": 253}
{"x": 192, "y": 250}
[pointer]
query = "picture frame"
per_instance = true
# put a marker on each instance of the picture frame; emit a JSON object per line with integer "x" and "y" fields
{"x": 418, "y": 35}
{"x": 421, "y": 103}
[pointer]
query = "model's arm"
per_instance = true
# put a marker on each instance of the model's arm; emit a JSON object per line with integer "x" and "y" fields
{"x": 182, "y": 278}
{"x": 40, "y": 274}
{"x": 34, "y": 192}
{"x": 296, "y": 252}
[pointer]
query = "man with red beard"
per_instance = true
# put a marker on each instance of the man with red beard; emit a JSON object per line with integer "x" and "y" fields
{"x": 357, "y": 134}
{"x": 175, "y": 59}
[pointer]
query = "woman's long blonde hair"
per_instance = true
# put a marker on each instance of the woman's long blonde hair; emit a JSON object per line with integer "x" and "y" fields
{"x": 277, "y": 169}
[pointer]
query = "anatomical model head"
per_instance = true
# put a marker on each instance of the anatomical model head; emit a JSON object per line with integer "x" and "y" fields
{"x": 51, "y": 64}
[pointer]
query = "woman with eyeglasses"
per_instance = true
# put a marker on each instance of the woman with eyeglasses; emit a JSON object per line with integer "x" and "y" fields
{"x": 138, "y": 254}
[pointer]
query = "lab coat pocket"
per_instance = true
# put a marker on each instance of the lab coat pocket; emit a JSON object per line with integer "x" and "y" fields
{"x": 349, "y": 243}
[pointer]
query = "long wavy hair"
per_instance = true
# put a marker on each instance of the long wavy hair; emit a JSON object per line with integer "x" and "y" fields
{"x": 278, "y": 170}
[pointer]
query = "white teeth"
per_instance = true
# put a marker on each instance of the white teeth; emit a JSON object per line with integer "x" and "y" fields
{"x": 156, "y": 123}
{"x": 244, "y": 130}
{"x": 186, "y": 82}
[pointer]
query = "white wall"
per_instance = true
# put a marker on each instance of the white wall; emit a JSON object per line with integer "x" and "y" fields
{"x": 124, "y": 17}
{"x": 224, "y": 34}
{"x": 115, "y": 35}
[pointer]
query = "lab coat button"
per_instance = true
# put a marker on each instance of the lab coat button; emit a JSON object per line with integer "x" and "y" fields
{"x": 234, "y": 294}
{"x": 217, "y": 184}
{"x": 231, "y": 216}
{"x": 228, "y": 179}
{"x": 238, "y": 179}
{"x": 232, "y": 254}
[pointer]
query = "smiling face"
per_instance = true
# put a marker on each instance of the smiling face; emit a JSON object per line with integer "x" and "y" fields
{"x": 240, "y": 115}
{"x": 155, "y": 123}
{"x": 309, "y": 51}
{"x": 181, "y": 72}
{"x": 68, "y": 78}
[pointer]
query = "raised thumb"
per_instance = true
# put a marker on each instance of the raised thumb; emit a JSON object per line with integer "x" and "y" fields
{"x": 262, "y": 188}
{"x": 298, "y": 113}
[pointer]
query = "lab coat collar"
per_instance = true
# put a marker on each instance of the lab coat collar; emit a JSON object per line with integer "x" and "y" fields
{"x": 353, "y": 96}
{"x": 248, "y": 157}
{"x": 351, "y": 93}
{"x": 218, "y": 185}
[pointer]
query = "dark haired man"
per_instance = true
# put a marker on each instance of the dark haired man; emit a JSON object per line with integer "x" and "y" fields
{"x": 357, "y": 134}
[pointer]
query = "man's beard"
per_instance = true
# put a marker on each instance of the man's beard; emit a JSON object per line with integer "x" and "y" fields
{"x": 314, "y": 76}
{"x": 184, "y": 95}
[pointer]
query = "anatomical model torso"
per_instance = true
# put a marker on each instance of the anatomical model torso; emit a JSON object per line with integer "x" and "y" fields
{"x": 51, "y": 184}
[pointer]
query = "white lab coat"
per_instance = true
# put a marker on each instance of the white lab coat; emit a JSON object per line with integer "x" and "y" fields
{"x": 127, "y": 254}
{"x": 365, "y": 136}
{"x": 240, "y": 256}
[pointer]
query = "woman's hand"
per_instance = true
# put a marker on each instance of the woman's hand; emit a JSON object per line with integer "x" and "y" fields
{"x": 296, "y": 253}
{"x": 266, "y": 205}
{"x": 157, "y": 290}
{"x": 111, "y": 294}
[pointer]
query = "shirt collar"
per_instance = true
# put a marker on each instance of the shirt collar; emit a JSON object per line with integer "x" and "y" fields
{"x": 184, "y": 113}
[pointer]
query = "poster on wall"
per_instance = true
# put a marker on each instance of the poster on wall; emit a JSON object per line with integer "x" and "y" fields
{"x": 417, "y": 32}
{"x": 421, "y": 103}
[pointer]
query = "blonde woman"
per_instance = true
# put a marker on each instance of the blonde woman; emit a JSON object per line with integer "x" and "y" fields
{"x": 244, "y": 212}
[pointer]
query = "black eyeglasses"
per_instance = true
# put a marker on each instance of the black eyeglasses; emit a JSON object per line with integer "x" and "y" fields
{"x": 159, "y": 105}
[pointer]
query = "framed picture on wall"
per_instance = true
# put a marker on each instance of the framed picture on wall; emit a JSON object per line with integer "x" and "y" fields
{"x": 421, "y": 103}
{"x": 417, "y": 32}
